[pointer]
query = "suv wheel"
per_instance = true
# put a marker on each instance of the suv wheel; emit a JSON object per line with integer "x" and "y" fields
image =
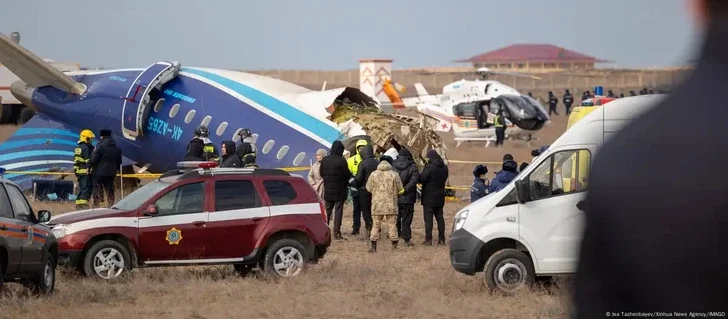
{"x": 285, "y": 258}
{"x": 508, "y": 271}
{"x": 45, "y": 281}
{"x": 106, "y": 259}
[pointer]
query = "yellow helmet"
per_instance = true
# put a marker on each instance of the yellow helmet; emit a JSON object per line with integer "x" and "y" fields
{"x": 87, "y": 135}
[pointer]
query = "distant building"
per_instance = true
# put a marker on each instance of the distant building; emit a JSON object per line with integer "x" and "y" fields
{"x": 533, "y": 58}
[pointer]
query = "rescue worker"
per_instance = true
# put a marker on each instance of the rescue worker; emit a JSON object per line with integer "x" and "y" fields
{"x": 479, "y": 188}
{"x": 200, "y": 147}
{"x": 105, "y": 163}
{"x": 568, "y": 101}
{"x": 505, "y": 176}
{"x": 500, "y": 128}
{"x": 367, "y": 166}
{"x": 247, "y": 150}
{"x": 406, "y": 199}
{"x": 553, "y": 101}
{"x": 335, "y": 173}
{"x": 229, "y": 158}
{"x": 81, "y": 157}
{"x": 656, "y": 241}
{"x": 353, "y": 164}
{"x": 433, "y": 179}
{"x": 610, "y": 94}
{"x": 384, "y": 184}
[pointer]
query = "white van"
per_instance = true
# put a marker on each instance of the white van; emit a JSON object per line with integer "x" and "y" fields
{"x": 532, "y": 228}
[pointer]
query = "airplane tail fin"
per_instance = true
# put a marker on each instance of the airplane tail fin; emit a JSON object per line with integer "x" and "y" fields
{"x": 40, "y": 146}
{"x": 33, "y": 70}
{"x": 421, "y": 89}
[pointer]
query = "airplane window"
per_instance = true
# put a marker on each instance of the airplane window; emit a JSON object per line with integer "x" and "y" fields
{"x": 221, "y": 129}
{"x": 282, "y": 152}
{"x": 268, "y": 146}
{"x": 190, "y": 116}
{"x": 299, "y": 158}
{"x": 236, "y": 135}
{"x": 158, "y": 106}
{"x": 206, "y": 121}
{"x": 173, "y": 111}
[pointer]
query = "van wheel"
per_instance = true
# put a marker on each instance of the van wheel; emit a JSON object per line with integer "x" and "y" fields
{"x": 508, "y": 271}
{"x": 285, "y": 258}
{"x": 44, "y": 282}
{"x": 106, "y": 259}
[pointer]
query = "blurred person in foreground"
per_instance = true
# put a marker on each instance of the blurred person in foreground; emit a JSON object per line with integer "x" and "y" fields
{"x": 658, "y": 241}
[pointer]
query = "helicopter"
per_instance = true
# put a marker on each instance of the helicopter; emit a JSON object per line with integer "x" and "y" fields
{"x": 468, "y": 108}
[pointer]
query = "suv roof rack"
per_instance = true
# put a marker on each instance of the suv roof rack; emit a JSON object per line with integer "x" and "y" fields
{"x": 192, "y": 169}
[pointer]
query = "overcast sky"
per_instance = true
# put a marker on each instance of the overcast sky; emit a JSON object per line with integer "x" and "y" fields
{"x": 335, "y": 34}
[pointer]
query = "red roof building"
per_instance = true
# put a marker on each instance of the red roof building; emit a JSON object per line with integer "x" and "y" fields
{"x": 533, "y": 57}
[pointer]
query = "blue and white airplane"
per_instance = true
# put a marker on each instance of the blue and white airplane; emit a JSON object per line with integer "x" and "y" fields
{"x": 153, "y": 112}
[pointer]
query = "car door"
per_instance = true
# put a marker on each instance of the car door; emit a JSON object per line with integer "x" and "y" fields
{"x": 10, "y": 235}
{"x": 32, "y": 245}
{"x": 237, "y": 219}
{"x": 176, "y": 233}
{"x": 550, "y": 221}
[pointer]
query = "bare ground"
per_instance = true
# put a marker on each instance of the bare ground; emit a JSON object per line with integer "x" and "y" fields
{"x": 348, "y": 283}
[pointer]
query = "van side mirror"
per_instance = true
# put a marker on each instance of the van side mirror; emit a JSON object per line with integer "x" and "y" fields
{"x": 151, "y": 210}
{"x": 44, "y": 216}
{"x": 523, "y": 191}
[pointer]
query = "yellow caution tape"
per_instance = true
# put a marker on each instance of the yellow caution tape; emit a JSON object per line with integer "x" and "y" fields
{"x": 474, "y": 162}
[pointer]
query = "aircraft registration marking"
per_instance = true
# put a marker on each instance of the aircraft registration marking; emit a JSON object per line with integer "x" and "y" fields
{"x": 163, "y": 128}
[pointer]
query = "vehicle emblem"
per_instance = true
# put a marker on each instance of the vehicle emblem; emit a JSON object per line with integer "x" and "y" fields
{"x": 174, "y": 236}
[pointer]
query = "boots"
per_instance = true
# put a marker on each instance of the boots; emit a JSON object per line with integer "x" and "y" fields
{"x": 408, "y": 243}
{"x": 373, "y": 249}
{"x": 337, "y": 236}
{"x": 394, "y": 244}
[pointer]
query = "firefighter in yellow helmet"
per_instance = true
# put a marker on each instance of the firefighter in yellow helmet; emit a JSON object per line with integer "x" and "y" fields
{"x": 81, "y": 157}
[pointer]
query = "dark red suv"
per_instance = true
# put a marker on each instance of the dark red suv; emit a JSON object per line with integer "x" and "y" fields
{"x": 250, "y": 218}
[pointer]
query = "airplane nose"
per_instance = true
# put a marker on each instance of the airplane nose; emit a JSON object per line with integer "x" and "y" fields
{"x": 23, "y": 93}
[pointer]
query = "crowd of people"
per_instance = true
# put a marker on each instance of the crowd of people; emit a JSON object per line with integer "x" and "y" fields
{"x": 383, "y": 188}
{"x": 201, "y": 148}
{"x": 481, "y": 186}
{"x": 568, "y": 99}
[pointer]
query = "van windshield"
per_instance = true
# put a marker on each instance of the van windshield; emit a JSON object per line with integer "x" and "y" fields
{"x": 139, "y": 196}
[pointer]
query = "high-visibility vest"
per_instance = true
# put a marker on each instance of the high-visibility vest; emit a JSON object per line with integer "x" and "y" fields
{"x": 497, "y": 124}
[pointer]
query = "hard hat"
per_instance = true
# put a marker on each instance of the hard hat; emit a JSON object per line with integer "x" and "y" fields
{"x": 86, "y": 135}
{"x": 244, "y": 132}
{"x": 202, "y": 131}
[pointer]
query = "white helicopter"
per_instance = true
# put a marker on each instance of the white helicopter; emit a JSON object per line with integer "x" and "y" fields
{"x": 469, "y": 108}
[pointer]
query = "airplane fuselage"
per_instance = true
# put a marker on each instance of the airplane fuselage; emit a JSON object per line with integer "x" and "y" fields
{"x": 286, "y": 135}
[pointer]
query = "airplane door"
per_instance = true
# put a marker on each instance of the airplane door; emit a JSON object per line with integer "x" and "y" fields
{"x": 136, "y": 101}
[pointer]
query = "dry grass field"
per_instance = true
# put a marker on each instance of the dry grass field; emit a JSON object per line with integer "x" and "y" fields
{"x": 415, "y": 282}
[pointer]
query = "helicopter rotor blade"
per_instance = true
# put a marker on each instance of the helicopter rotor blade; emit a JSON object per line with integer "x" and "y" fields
{"x": 515, "y": 74}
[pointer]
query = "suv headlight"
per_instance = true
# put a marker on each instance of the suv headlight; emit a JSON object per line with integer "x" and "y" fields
{"x": 59, "y": 230}
{"x": 460, "y": 219}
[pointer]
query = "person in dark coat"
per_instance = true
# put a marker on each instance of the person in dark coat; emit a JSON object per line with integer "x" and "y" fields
{"x": 335, "y": 174}
{"x": 568, "y": 101}
{"x": 505, "y": 176}
{"x": 408, "y": 173}
{"x": 479, "y": 188}
{"x": 522, "y": 167}
{"x": 433, "y": 179}
{"x": 105, "y": 163}
{"x": 229, "y": 158}
{"x": 657, "y": 241}
{"x": 367, "y": 166}
{"x": 553, "y": 101}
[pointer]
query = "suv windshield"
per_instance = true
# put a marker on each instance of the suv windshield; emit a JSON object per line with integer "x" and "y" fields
{"x": 139, "y": 196}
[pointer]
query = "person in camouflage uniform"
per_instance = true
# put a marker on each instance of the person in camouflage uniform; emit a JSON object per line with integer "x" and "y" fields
{"x": 384, "y": 184}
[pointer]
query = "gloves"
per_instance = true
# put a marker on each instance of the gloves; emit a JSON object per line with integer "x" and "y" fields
{"x": 401, "y": 191}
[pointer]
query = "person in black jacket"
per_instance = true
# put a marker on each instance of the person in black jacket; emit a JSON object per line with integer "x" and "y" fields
{"x": 408, "y": 173}
{"x": 229, "y": 158}
{"x": 367, "y": 165}
{"x": 335, "y": 173}
{"x": 105, "y": 163}
{"x": 657, "y": 241}
{"x": 568, "y": 101}
{"x": 433, "y": 179}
